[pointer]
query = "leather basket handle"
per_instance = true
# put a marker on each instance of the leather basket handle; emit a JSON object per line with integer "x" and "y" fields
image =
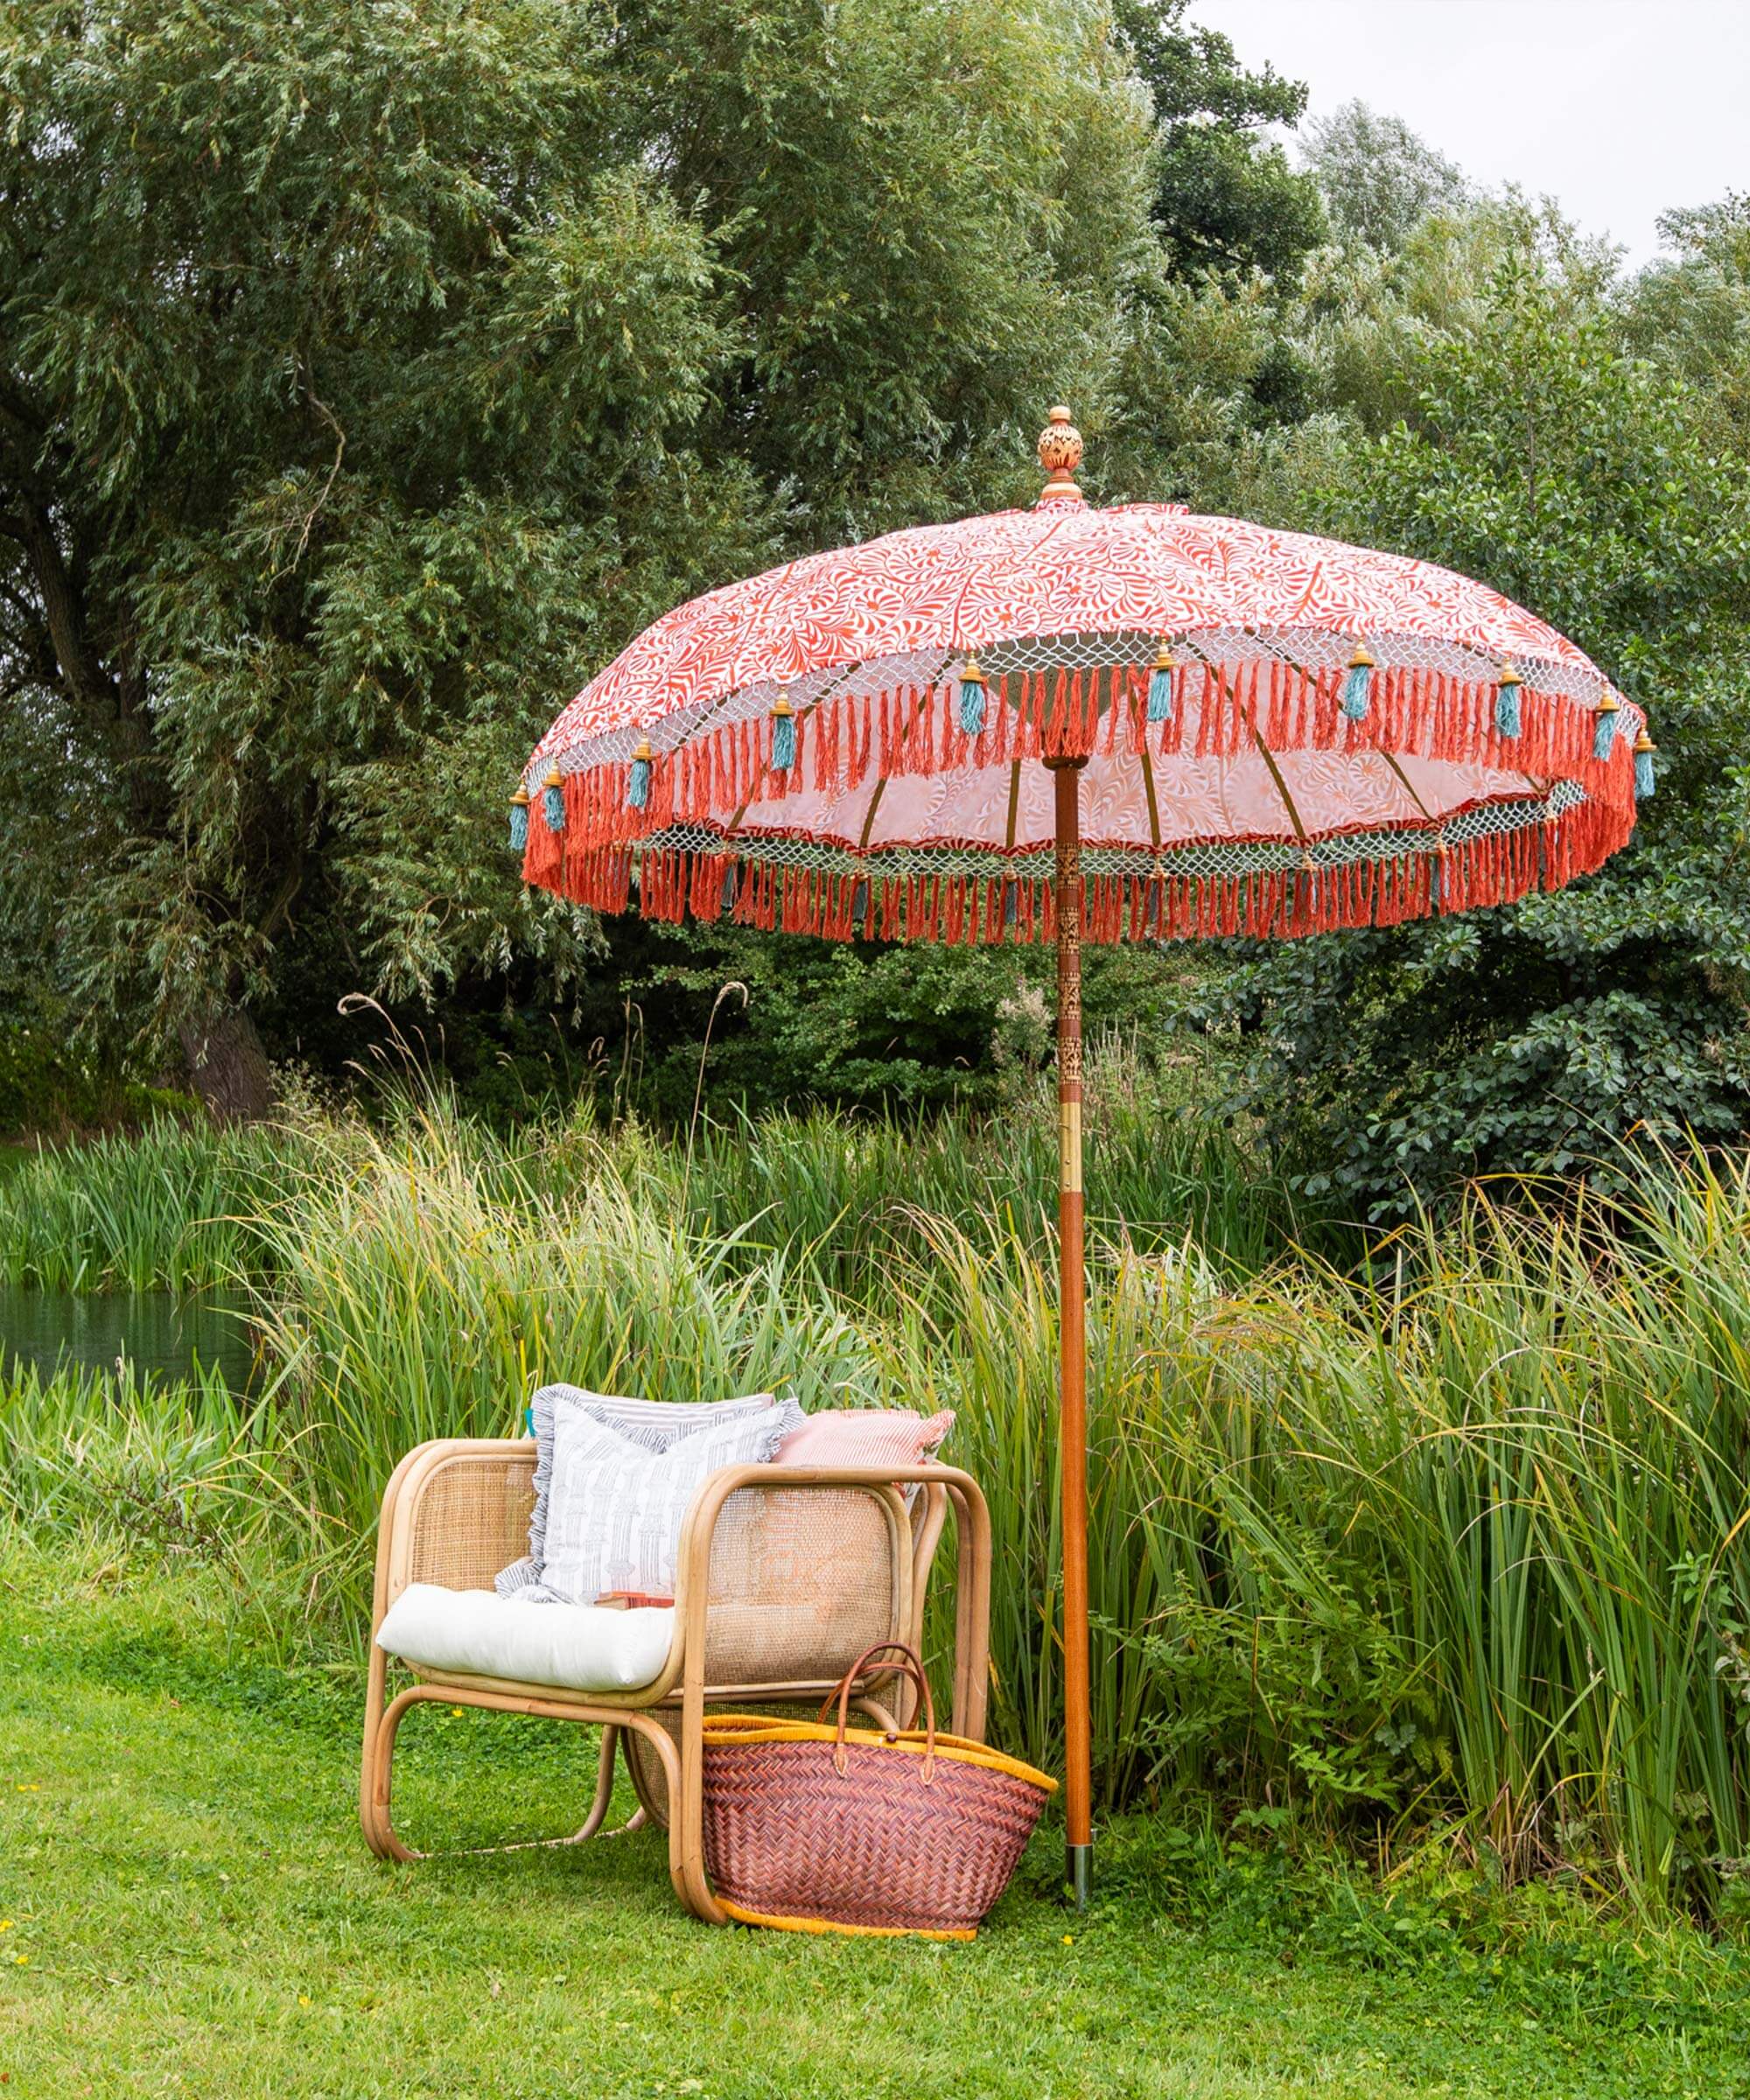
{"x": 911, "y": 1668}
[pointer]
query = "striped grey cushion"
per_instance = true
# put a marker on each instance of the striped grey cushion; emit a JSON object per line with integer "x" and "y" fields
{"x": 615, "y": 1508}
{"x": 655, "y": 1425}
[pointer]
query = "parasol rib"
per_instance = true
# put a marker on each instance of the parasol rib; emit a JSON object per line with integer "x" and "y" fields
{"x": 1269, "y": 758}
{"x": 904, "y": 737}
{"x": 1404, "y": 778}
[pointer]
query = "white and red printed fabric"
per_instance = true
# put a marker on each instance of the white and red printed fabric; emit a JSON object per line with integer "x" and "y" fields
{"x": 1248, "y": 801}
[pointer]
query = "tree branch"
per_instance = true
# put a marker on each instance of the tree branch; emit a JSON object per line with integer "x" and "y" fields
{"x": 64, "y": 615}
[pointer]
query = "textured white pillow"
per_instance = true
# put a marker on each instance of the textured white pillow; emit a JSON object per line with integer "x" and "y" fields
{"x": 655, "y": 1423}
{"x": 614, "y": 1510}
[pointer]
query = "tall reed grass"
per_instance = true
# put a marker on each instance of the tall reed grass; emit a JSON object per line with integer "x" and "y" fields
{"x": 174, "y": 1208}
{"x": 414, "y": 1296}
{"x": 111, "y": 1451}
{"x": 181, "y": 1208}
{"x": 1460, "y": 1561}
{"x": 851, "y": 1192}
{"x": 1474, "y": 1557}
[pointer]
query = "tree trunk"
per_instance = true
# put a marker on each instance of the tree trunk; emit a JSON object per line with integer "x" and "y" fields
{"x": 228, "y": 1066}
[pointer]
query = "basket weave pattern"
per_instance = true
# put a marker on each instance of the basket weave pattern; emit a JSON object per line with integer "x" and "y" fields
{"x": 910, "y": 1833}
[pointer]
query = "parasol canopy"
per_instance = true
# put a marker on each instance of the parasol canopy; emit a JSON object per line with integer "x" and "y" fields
{"x": 1284, "y": 735}
{"x": 1069, "y": 722}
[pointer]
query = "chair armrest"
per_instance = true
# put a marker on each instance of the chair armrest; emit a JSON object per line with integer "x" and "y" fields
{"x": 701, "y": 1533}
{"x": 455, "y": 1511}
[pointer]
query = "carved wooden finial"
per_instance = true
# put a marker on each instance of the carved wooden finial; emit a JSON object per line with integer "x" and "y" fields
{"x": 1059, "y": 452}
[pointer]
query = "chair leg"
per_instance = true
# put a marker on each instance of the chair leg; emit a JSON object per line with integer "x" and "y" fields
{"x": 971, "y": 1613}
{"x": 379, "y": 1831}
{"x": 377, "y": 1767}
{"x": 604, "y": 1794}
{"x": 653, "y": 1798}
{"x": 683, "y": 1770}
{"x": 377, "y": 1760}
{"x": 376, "y": 1678}
{"x": 599, "y": 1809}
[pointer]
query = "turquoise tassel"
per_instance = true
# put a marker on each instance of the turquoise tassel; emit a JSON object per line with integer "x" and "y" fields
{"x": 1604, "y": 736}
{"x": 638, "y": 781}
{"x": 860, "y": 907}
{"x": 519, "y": 824}
{"x": 1160, "y": 688}
{"x": 1358, "y": 686}
{"x": 971, "y": 698}
{"x": 1507, "y": 720}
{"x": 1644, "y": 781}
{"x": 783, "y": 737}
{"x": 553, "y": 802}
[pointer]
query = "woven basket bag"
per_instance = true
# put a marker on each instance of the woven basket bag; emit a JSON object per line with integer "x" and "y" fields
{"x": 818, "y": 1828}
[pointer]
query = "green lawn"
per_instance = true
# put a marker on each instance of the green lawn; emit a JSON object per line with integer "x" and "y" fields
{"x": 189, "y": 1909}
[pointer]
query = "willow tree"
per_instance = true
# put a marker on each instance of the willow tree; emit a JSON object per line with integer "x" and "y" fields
{"x": 368, "y": 370}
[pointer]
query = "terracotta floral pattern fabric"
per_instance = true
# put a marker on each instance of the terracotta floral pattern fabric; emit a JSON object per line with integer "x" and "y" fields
{"x": 791, "y": 749}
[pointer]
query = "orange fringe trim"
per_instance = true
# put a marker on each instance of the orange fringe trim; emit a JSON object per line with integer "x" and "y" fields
{"x": 1071, "y": 713}
{"x": 1416, "y": 882}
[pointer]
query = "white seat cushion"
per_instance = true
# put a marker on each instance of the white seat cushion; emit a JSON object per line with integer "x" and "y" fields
{"x": 582, "y": 1646}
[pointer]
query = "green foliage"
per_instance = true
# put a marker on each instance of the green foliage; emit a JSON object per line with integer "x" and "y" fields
{"x": 790, "y": 1019}
{"x": 857, "y": 1194}
{"x": 1435, "y": 1574}
{"x": 1378, "y": 179}
{"x": 472, "y": 339}
{"x": 101, "y": 1453}
{"x": 926, "y": 214}
{"x": 372, "y": 374}
{"x": 178, "y": 1209}
{"x": 1296, "y": 1678}
{"x": 1579, "y": 480}
{"x": 1577, "y": 475}
{"x": 174, "y": 1207}
{"x": 50, "y": 1084}
{"x": 859, "y": 1025}
{"x": 1224, "y": 200}
{"x": 1692, "y": 311}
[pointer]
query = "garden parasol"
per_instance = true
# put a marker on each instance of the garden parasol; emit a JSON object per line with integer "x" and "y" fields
{"x": 1069, "y": 723}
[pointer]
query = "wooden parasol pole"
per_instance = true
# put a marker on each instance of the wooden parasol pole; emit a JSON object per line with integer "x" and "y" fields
{"x": 1073, "y": 1337}
{"x": 1060, "y": 453}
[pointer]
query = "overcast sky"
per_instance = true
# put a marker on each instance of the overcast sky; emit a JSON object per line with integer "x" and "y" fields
{"x": 1619, "y": 108}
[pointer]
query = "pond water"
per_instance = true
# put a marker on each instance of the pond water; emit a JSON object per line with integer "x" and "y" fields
{"x": 156, "y": 1330}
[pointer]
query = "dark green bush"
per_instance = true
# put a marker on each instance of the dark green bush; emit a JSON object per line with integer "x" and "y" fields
{"x": 51, "y": 1086}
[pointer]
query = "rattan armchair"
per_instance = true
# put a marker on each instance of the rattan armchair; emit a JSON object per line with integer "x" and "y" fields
{"x": 785, "y": 1575}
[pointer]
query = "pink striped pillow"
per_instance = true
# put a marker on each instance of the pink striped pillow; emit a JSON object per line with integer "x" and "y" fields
{"x": 865, "y": 1436}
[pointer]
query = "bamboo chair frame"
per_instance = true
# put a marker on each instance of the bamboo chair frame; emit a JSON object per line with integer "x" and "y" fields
{"x": 725, "y": 1614}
